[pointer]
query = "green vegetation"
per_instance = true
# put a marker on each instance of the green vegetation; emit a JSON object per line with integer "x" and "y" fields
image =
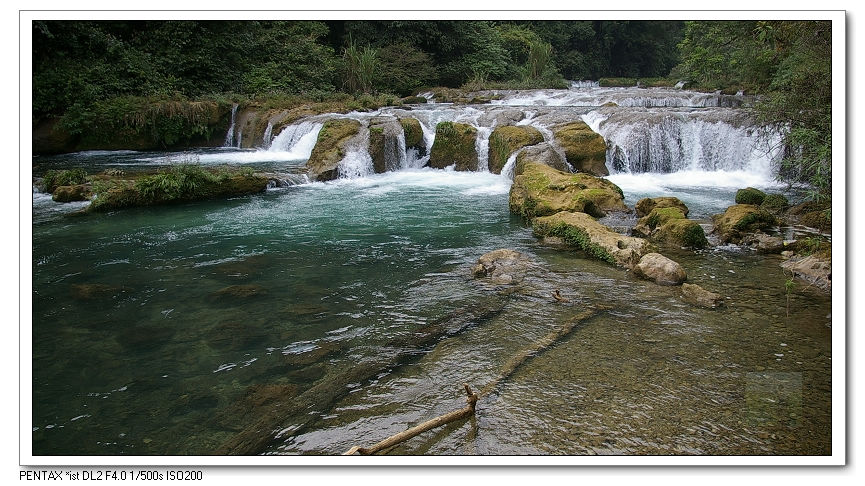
{"x": 775, "y": 202}
{"x": 56, "y": 178}
{"x": 790, "y": 64}
{"x": 576, "y": 237}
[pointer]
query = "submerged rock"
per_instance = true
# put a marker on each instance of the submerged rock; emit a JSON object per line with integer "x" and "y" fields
{"x": 812, "y": 269}
{"x": 502, "y": 266}
{"x": 739, "y": 220}
{"x": 96, "y": 291}
{"x": 321, "y": 351}
{"x": 646, "y": 205}
{"x": 235, "y": 335}
{"x": 699, "y": 296}
{"x": 330, "y": 148}
{"x": 585, "y": 149}
{"x": 454, "y": 145}
{"x": 541, "y": 191}
{"x": 239, "y": 292}
{"x": 542, "y": 153}
{"x": 660, "y": 269}
{"x": 255, "y": 400}
{"x": 508, "y": 139}
{"x": 581, "y": 231}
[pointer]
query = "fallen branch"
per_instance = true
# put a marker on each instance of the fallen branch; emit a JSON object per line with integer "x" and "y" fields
{"x": 471, "y": 399}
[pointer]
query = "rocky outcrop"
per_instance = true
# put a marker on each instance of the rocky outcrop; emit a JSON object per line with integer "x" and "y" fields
{"x": 739, "y": 220}
{"x": 78, "y": 192}
{"x": 581, "y": 231}
{"x": 749, "y": 195}
{"x": 764, "y": 243}
{"x": 646, "y": 205}
{"x": 812, "y": 269}
{"x": 696, "y": 295}
{"x": 508, "y": 139}
{"x": 414, "y": 135}
{"x": 454, "y": 145}
{"x": 585, "y": 150}
{"x": 502, "y": 266}
{"x": 330, "y": 148}
{"x": 384, "y": 146}
{"x": 668, "y": 225}
{"x": 542, "y": 153}
{"x": 660, "y": 269}
{"x": 541, "y": 191}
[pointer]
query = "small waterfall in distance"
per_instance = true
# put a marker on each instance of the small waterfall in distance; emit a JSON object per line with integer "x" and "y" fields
{"x": 229, "y": 136}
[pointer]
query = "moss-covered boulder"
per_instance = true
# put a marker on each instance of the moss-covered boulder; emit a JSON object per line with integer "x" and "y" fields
{"x": 384, "y": 146}
{"x": 330, "y": 148}
{"x": 646, "y": 205}
{"x": 585, "y": 150}
{"x": 670, "y": 226}
{"x": 414, "y": 135}
{"x": 78, "y": 192}
{"x": 660, "y": 269}
{"x": 818, "y": 220}
{"x": 655, "y": 218}
{"x": 581, "y": 231}
{"x": 508, "y": 139}
{"x": 741, "y": 219}
{"x": 749, "y": 195}
{"x": 775, "y": 203}
{"x": 541, "y": 191}
{"x": 454, "y": 145}
{"x": 542, "y": 153}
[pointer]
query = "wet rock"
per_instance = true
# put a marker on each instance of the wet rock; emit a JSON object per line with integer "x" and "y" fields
{"x": 584, "y": 149}
{"x": 581, "y": 231}
{"x": 764, "y": 243}
{"x": 95, "y": 291}
{"x": 235, "y": 335}
{"x": 749, "y": 195}
{"x": 384, "y": 132}
{"x": 508, "y": 139}
{"x": 696, "y": 295}
{"x": 320, "y": 352}
{"x": 256, "y": 399}
{"x": 414, "y": 135}
{"x": 812, "y": 269}
{"x": 194, "y": 401}
{"x": 646, "y": 205}
{"x": 502, "y": 266}
{"x": 739, "y": 220}
{"x": 660, "y": 269}
{"x": 542, "y": 191}
{"x": 330, "y": 148}
{"x": 454, "y": 145}
{"x": 668, "y": 225}
{"x": 818, "y": 220}
{"x": 78, "y": 192}
{"x": 542, "y": 153}
{"x": 145, "y": 338}
{"x": 243, "y": 269}
{"x": 238, "y": 292}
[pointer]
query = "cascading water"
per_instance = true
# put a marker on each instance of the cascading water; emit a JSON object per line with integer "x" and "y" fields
{"x": 229, "y": 136}
{"x": 268, "y": 135}
{"x": 357, "y": 161}
{"x": 482, "y": 146}
{"x": 297, "y": 141}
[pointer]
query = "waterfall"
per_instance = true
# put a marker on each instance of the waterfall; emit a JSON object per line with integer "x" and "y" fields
{"x": 229, "y": 136}
{"x": 267, "y": 135}
{"x": 671, "y": 141}
{"x": 584, "y": 84}
{"x": 357, "y": 161}
{"x": 297, "y": 140}
{"x": 508, "y": 169}
{"x": 482, "y": 146}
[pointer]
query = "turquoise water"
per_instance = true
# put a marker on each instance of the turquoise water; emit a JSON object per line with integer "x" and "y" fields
{"x": 171, "y": 330}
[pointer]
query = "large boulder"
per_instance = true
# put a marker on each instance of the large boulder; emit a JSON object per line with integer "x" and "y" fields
{"x": 384, "y": 149}
{"x": 764, "y": 243}
{"x": 660, "y": 269}
{"x": 502, "y": 266}
{"x": 585, "y": 149}
{"x": 454, "y": 145}
{"x": 414, "y": 135}
{"x": 542, "y": 153}
{"x": 541, "y": 191}
{"x": 508, "y": 139}
{"x": 330, "y": 148}
{"x": 701, "y": 297}
{"x": 78, "y": 192}
{"x": 741, "y": 219}
{"x": 750, "y": 195}
{"x": 646, "y": 205}
{"x": 582, "y": 231}
{"x": 668, "y": 225}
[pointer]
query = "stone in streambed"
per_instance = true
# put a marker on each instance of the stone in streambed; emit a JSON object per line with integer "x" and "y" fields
{"x": 454, "y": 145}
{"x": 78, "y": 192}
{"x": 330, "y": 148}
{"x": 508, "y": 139}
{"x": 502, "y": 266}
{"x": 739, "y": 220}
{"x": 542, "y": 153}
{"x": 646, "y": 205}
{"x": 696, "y": 295}
{"x": 584, "y": 149}
{"x": 660, "y": 269}
{"x": 542, "y": 191}
{"x": 239, "y": 292}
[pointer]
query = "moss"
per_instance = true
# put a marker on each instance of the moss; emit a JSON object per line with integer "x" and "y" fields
{"x": 575, "y": 237}
{"x": 775, "y": 202}
{"x": 584, "y": 149}
{"x": 659, "y": 216}
{"x": 330, "y": 147}
{"x": 754, "y": 221}
{"x": 749, "y": 195}
{"x": 454, "y": 145}
{"x": 541, "y": 191}
{"x": 617, "y": 82}
{"x": 814, "y": 245}
{"x": 816, "y": 219}
{"x": 413, "y": 132}
{"x": 506, "y": 140}
{"x": 683, "y": 232}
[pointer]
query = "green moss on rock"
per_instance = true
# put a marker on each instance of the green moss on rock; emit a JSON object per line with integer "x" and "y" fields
{"x": 506, "y": 140}
{"x": 329, "y": 150}
{"x": 646, "y": 205}
{"x": 741, "y": 219}
{"x": 584, "y": 149}
{"x": 749, "y": 195}
{"x": 541, "y": 191}
{"x": 775, "y": 203}
{"x": 413, "y": 132}
{"x": 454, "y": 145}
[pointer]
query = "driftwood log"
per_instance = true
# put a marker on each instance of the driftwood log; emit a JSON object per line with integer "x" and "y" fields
{"x": 508, "y": 369}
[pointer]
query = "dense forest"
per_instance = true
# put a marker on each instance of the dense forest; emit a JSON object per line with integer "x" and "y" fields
{"x": 110, "y": 74}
